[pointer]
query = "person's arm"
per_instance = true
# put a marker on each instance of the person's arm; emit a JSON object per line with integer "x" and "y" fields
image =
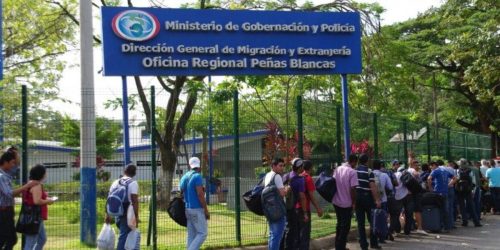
{"x": 26, "y": 186}
{"x": 36, "y": 192}
{"x": 429, "y": 183}
{"x": 375, "y": 194}
{"x": 303, "y": 201}
{"x": 201, "y": 198}
{"x": 353, "y": 197}
{"x": 135, "y": 204}
{"x": 315, "y": 203}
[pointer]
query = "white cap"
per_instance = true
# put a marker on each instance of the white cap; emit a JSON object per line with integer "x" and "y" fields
{"x": 194, "y": 162}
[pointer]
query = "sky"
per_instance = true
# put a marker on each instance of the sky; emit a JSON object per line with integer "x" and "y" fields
{"x": 110, "y": 88}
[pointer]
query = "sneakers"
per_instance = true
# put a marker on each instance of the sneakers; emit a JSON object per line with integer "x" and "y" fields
{"x": 420, "y": 231}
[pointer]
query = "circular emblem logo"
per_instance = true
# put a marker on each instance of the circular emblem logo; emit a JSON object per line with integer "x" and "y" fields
{"x": 135, "y": 25}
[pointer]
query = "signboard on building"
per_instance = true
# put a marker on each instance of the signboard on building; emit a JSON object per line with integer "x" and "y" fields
{"x": 151, "y": 42}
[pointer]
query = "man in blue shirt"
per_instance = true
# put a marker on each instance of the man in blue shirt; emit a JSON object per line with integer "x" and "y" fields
{"x": 493, "y": 176}
{"x": 191, "y": 186}
{"x": 438, "y": 182}
{"x": 8, "y": 161}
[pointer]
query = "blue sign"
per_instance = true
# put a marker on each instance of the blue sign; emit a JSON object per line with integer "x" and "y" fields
{"x": 152, "y": 42}
{"x": 1, "y": 40}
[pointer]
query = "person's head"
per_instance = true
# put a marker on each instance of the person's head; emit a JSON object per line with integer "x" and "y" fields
{"x": 16, "y": 152}
{"x": 492, "y": 163}
{"x": 8, "y": 160}
{"x": 431, "y": 166}
{"x": 297, "y": 165}
{"x": 37, "y": 172}
{"x": 395, "y": 165}
{"x": 477, "y": 164}
{"x": 485, "y": 163}
{"x": 308, "y": 166}
{"x": 278, "y": 165}
{"x": 463, "y": 163}
{"x": 195, "y": 164}
{"x": 353, "y": 160}
{"x": 363, "y": 159}
{"x": 440, "y": 162}
{"x": 377, "y": 165}
{"x": 452, "y": 164}
{"x": 414, "y": 164}
{"x": 130, "y": 170}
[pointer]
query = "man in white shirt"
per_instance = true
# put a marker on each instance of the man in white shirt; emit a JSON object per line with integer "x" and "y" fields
{"x": 485, "y": 165}
{"x": 276, "y": 228}
{"x": 132, "y": 199}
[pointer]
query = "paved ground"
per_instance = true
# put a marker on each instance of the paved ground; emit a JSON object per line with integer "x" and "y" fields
{"x": 486, "y": 237}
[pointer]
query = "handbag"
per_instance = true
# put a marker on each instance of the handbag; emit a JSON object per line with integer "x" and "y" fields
{"x": 177, "y": 211}
{"x": 29, "y": 220}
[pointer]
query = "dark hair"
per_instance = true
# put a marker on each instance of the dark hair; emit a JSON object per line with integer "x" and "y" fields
{"x": 440, "y": 162}
{"x": 277, "y": 161}
{"x": 363, "y": 159}
{"x": 425, "y": 167}
{"x": 455, "y": 166}
{"x": 130, "y": 170}
{"x": 307, "y": 165}
{"x": 37, "y": 172}
{"x": 8, "y": 156}
{"x": 377, "y": 165}
{"x": 353, "y": 158}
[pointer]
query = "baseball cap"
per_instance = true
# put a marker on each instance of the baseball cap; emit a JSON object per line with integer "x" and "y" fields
{"x": 194, "y": 162}
{"x": 297, "y": 163}
{"x": 394, "y": 162}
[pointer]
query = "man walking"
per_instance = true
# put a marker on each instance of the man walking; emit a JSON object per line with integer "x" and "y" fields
{"x": 132, "y": 198}
{"x": 344, "y": 200}
{"x": 9, "y": 160}
{"x": 367, "y": 197}
{"x": 191, "y": 186}
{"x": 297, "y": 215}
{"x": 464, "y": 188}
{"x": 276, "y": 228}
{"x": 417, "y": 196}
{"x": 305, "y": 230}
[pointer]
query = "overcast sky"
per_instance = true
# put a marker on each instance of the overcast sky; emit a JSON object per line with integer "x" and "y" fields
{"x": 108, "y": 88}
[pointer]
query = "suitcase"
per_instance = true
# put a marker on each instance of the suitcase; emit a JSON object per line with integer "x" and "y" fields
{"x": 379, "y": 222}
{"x": 431, "y": 219}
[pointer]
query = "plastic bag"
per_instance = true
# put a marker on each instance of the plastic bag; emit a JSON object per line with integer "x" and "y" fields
{"x": 133, "y": 241}
{"x": 131, "y": 220}
{"x": 106, "y": 239}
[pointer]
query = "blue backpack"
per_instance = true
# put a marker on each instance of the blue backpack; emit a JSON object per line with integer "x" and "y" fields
{"x": 326, "y": 186}
{"x": 115, "y": 203}
{"x": 272, "y": 202}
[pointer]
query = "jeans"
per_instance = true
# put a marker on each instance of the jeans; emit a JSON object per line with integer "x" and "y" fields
{"x": 305, "y": 233}
{"x": 122, "y": 224}
{"x": 37, "y": 241}
{"x": 197, "y": 228}
{"x": 344, "y": 216}
{"x": 477, "y": 201}
{"x": 495, "y": 195}
{"x": 8, "y": 236}
{"x": 291, "y": 236}
{"x": 364, "y": 206}
{"x": 394, "y": 210}
{"x": 451, "y": 208}
{"x": 445, "y": 223}
{"x": 407, "y": 204}
{"x": 276, "y": 229}
{"x": 467, "y": 208}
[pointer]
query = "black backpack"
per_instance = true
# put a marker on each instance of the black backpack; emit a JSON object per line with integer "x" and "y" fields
{"x": 291, "y": 198}
{"x": 464, "y": 183}
{"x": 410, "y": 182}
{"x": 252, "y": 198}
{"x": 177, "y": 211}
{"x": 326, "y": 186}
{"x": 272, "y": 202}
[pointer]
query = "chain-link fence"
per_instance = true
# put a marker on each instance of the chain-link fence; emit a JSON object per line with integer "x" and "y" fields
{"x": 267, "y": 129}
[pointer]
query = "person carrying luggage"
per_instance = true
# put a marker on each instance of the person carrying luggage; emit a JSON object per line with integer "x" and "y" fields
{"x": 438, "y": 182}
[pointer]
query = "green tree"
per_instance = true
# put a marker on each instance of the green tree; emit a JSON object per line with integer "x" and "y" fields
{"x": 108, "y": 135}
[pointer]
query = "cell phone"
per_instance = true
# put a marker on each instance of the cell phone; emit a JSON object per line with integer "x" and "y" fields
{"x": 54, "y": 198}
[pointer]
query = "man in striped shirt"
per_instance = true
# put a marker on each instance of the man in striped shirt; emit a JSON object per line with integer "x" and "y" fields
{"x": 367, "y": 198}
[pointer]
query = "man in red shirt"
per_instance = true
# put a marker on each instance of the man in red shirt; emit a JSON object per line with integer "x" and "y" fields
{"x": 305, "y": 230}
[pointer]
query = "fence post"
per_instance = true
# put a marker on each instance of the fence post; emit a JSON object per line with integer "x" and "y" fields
{"x": 300, "y": 128}
{"x": 24, "y": 170}
{"x": 428, "y": 137}
{"x": 236, "y": 165}
{"x": 466, "y": 146}
{"x": 339, "y": 134}
{"x": 375, "y": 136}
{"x": 448, "y": 144}
{"x": 405, "y": 141}
{"x": 153, "y": 167}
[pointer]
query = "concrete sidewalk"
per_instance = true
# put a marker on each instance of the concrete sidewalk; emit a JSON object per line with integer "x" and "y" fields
{"x": 485, "y": 237}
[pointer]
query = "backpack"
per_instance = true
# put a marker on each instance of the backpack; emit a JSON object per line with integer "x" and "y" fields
{"x": 326, "y": 186}
{"x": 272, "y": 202}
{"x": 177, "y": 211}
{"x": 291, "y": 198}
{"x": 464, "y": 184}
{"x": 118, "y": 199}
{"x": 410, "y": 183}
{"x": 252, "y": 198}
